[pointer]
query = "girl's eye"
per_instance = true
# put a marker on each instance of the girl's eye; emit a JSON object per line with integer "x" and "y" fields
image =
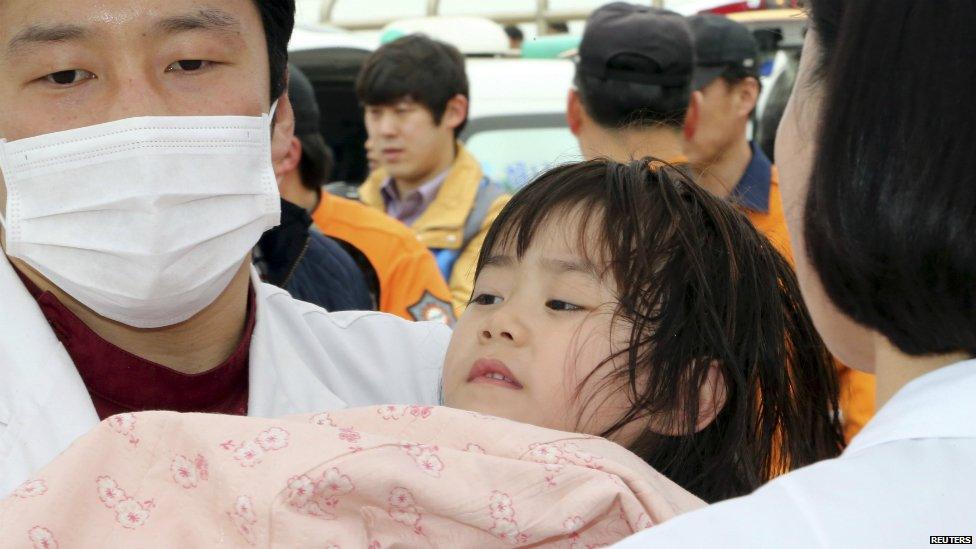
{"x": 486, "y": 299}
{"x": 557, "y": 305}
{"x": 69, "y": 77}
{"x": 188, "y": 65}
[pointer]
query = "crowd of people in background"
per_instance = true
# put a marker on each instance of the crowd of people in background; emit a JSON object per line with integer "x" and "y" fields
{"x": 767, "y": 355}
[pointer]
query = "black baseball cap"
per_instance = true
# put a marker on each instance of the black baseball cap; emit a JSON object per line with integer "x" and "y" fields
{"x": 721, "y": 43}
{"x": 641, "y": 44}
{"x": 303, "y": 102}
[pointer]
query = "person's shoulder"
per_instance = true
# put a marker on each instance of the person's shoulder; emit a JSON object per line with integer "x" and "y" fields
{"x": 881, "y": 496}
{"x": 327, "y": 254}
{"x": 769, "y": 518}
{"x": 373, "y": 325}
{"x": 362, "y": 357}
{"x": 495, "y": 198}
{"x": 281, "y": 307}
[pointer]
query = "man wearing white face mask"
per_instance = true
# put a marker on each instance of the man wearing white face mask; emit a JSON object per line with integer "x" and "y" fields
{"x": 136, "y": 177}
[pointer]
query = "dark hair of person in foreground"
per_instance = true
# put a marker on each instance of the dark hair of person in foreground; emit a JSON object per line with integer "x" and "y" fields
{"x": 697, "y": 286}
{"x": 278, "y": 20}
{"x": 890, "y": 216}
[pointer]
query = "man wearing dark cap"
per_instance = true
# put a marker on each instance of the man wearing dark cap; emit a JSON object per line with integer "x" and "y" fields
{"x": 726, "y": 89}
{"x": 633, "y": 83}
{"x": 726, "y": 84}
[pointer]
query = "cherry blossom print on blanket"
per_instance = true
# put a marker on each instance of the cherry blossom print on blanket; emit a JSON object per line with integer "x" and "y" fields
{"x": 382, "y": 476}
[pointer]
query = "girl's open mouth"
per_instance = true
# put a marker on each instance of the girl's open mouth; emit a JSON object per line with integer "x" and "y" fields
{"x": 493, "y": 372}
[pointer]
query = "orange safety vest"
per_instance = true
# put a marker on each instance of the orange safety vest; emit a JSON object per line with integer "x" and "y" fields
{"x": 410, "y": 284}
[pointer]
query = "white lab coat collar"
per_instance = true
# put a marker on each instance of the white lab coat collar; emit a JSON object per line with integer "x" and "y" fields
{"x": 44, "y": 404}
{"x": 939, "y": 404}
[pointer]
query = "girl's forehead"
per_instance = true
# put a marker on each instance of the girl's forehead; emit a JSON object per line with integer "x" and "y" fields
{"x": 562, "y": 234}
{"x": 560, "y": 244}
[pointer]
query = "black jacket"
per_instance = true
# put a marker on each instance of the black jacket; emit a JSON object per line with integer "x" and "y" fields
{"x": 309, "y": 265}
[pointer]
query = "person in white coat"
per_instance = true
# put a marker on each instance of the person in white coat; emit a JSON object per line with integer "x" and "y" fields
{"x": 879, "y": 189}
{"x": 136, "y": 163}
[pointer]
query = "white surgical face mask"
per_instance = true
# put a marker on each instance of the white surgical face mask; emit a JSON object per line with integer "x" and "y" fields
{"x": 143, "y": 220}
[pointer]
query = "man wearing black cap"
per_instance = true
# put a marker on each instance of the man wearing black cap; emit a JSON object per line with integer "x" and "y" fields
{"x": 633, "y": 83}
{"x": 726, "y": 84}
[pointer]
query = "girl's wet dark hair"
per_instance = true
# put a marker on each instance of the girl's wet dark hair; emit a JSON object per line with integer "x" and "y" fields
{"x": 697, "y": 285}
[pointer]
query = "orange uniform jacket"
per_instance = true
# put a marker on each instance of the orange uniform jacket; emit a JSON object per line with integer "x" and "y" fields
{"x": 410, "y": 284}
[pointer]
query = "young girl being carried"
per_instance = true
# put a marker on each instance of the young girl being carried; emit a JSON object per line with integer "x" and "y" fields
{"x": 611, "y": 301}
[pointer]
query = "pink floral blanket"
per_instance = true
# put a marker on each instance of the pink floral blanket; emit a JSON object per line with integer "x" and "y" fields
{"x": 390, "y": 476}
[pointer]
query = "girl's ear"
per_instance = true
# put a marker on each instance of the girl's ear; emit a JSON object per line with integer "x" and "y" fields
{"x": 711, "y": 396}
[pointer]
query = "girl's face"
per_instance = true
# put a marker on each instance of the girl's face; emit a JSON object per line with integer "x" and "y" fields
{"x": 536, "y": 328}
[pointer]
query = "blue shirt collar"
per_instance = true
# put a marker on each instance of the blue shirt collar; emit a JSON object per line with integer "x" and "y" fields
{"x": 752, "y": 191}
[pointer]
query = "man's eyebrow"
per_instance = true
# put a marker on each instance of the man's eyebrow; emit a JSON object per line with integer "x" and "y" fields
{"x": 205, "y": 19}
{"x": 44, "y": 34}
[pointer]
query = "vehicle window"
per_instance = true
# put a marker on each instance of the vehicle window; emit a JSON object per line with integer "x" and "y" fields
{"x": 513, "y": 156}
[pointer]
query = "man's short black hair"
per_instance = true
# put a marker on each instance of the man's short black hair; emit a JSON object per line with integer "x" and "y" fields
{"x": 514, "y": 33}
{"x": 417, "y": 68}
{"x": 733, "y": 74}
{"x": 278, "y": 19}
{"x": 620, "y": 104}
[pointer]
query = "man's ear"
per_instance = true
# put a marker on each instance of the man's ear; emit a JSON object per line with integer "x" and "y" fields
{"x": 291, "y": 159}
{"x": 574, "y": 112}
{"x": 747, "y": 96}
{"x": 456, "y": 112}
{"x": 284, "y": 130}
{"x": 693, "y": 116}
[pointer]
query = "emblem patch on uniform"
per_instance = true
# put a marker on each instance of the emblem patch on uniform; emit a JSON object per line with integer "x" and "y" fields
{"x": 431, "y": 308}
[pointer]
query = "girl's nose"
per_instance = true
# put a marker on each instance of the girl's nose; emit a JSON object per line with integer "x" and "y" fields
{"x": 505, "y": 325}
{"x": 503, "y": 334}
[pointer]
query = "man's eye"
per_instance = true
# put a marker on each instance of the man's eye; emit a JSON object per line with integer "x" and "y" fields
{"x": 557, "y": 305}
{"x": 66, "y": 78}
{"x": 486, "y": 299}
{"x": 188, "y": 65}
